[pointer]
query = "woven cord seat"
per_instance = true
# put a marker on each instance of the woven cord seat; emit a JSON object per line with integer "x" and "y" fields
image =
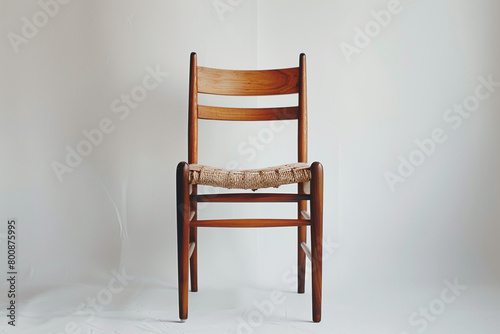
{"x": 250, "y": 178}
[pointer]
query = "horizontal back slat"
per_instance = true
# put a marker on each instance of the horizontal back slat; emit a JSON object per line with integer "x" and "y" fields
{"x": 247, "y": 83}
{"x": 247, "y": 114}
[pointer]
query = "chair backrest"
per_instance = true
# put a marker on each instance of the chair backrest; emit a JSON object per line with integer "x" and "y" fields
{"x": 247, "y": 83}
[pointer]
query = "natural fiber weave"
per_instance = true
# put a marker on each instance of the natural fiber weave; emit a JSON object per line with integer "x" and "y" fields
{"x": 251, "y": 178}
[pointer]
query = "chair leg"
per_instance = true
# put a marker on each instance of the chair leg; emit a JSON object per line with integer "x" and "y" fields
{"x": 193, "y": 237}
{"x": 183, "y": 237}
{"x": 301, "y": 259}
{"x": 193, "y": 261}
{"x": 316, "y": 237}
{"x": 301, "y": 237}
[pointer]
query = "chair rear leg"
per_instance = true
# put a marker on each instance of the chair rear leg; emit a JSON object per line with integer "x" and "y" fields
{"x": 193, "y": 237}
{"x": 183, "y": 236}
{"x": 301, "y": 237}
{"x": 316, "y": 237}
{"x": 193, "y": 261}
{"x": 301, "y": 259}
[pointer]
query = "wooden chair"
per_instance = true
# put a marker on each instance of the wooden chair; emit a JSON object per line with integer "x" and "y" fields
{"x": 308, "y": 177}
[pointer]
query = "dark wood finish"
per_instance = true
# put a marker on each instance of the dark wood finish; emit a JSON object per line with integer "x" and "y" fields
{"x": 250, "y": 222}
{"x": 301, "y": 259}
{"x": 193, "y": 237}
{"x": 259, "y": 197}
{"x": 245, "y": 83}
{"x": 301, "y": 237}
{"x": 193, "y": 260}
{"x": 316, "y": 237}
{"x": 302, "y": 142}
{"x": 183, "y": 236}
{"x": 247, "y": 114}
{"x": 302, "y": 157}
{"x": 265, "y": 82}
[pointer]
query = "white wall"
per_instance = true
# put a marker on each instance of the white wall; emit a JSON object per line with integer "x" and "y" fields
{"x": 398, "y": 90}
{"x": 116, "y": 208}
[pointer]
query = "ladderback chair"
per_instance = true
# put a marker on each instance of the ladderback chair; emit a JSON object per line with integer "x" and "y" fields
{"x": 309, "y": 177}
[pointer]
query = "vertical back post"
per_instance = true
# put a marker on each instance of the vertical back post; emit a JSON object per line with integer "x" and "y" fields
{"x": 302, "y": 157}
{"x": 193, "y": 159}
{"x": 302, "y": 144}
{"x": 193, "y": 111}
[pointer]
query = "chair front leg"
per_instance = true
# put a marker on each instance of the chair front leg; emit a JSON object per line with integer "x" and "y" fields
{"x": 183, "y": 210}
{"x": 316, "y": 237}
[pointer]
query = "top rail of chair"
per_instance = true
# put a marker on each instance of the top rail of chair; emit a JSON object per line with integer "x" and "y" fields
{"x": 248, "y": 82}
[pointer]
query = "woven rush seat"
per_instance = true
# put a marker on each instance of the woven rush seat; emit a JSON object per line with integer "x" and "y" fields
{"x": 250, "y": 178}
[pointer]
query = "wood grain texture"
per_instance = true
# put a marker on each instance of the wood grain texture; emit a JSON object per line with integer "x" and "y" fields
{"x": 248, "y": 83}
{"x": 247, "y": 114}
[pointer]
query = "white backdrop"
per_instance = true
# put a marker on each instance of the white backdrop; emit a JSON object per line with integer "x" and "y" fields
{"x": 403, "y": 113}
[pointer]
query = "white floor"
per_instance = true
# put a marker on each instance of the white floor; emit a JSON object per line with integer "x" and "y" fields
{"x": 152, "y": 308}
